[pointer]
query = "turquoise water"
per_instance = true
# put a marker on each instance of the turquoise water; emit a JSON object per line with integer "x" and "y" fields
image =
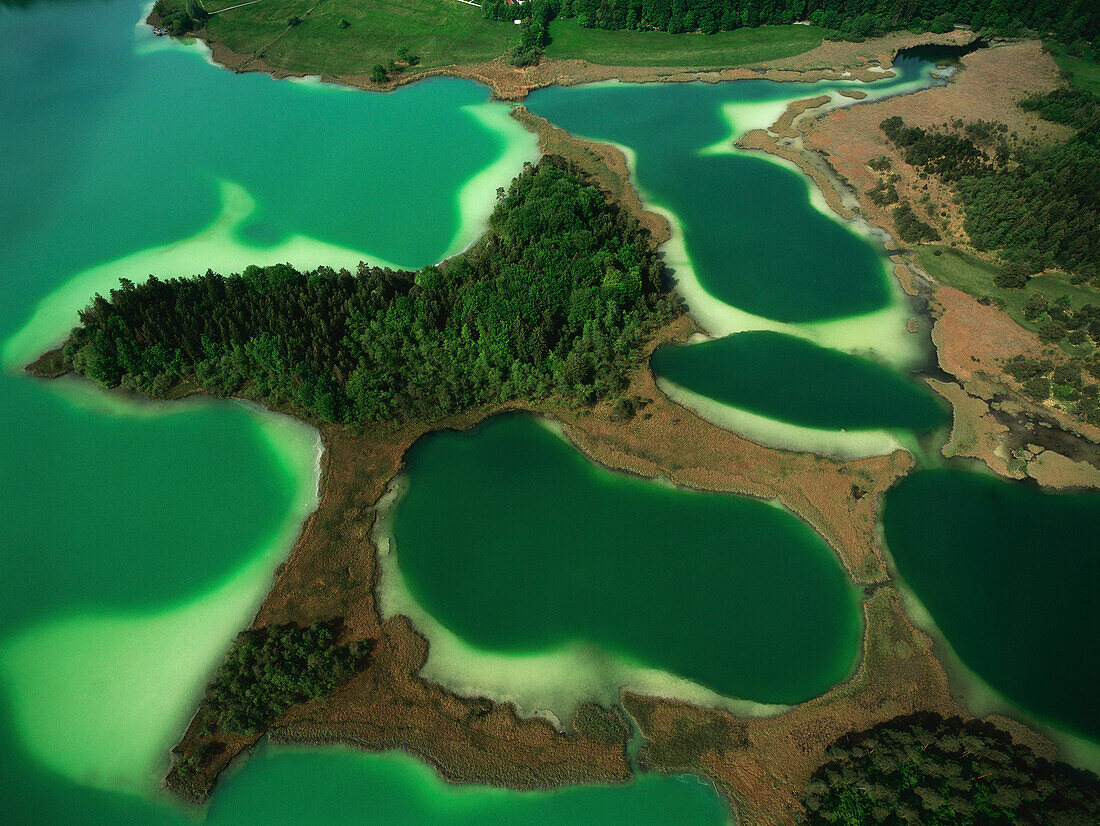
{"x": 138, "y": 538}
{"x": 516, "y": 542}
{"x": 1010, "y": 576}
{"x": 756, "y": 240}
{"x": 798, "y": 382}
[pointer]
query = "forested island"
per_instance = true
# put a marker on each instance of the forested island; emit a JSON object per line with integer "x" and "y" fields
{"x": 556, "y": 299}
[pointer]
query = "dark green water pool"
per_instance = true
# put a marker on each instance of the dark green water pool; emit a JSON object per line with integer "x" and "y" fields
{"x": 517, "y": 543}
{"x": 1010, "y": 576}
{"x": 755, "y": 239}
{"x": 795, "y": 381}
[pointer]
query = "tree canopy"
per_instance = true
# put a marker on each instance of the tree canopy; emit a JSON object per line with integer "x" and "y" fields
{"x": 1038, "y": 205}
{"x": 270, "y": 669}
{"x": 924, "y": 769}
{"x": 850, "y": 19}
{"x": 555, "y": 299}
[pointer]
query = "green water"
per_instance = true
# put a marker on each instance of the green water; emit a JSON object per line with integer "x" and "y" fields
{"x": 138, "y": 537}
{"x": 346, "y": 787}
{"x": 754, "y": 236}
{"x": 512, "y": 539}
{"x": 795, "y": 381}
{"x": 1010, "y": 576}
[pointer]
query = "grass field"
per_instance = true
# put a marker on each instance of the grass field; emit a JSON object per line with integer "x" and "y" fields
{"x": 631, "y": 48}
{"x": 441, "y": 32}
{"x": 1085, "y": 71}
{"x": 974, "y": 276}
{"x": 447, "y": 32}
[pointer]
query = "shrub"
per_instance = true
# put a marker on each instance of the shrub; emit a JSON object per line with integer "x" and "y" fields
{"x": 1012, "y": 276}
{"x": 910, "y": 227}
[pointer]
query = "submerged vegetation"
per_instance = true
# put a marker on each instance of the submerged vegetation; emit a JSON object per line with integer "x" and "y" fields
{"x": 555, "y": 300}
{"x": 929, "y": 770}
{"x": 270, "y": 669}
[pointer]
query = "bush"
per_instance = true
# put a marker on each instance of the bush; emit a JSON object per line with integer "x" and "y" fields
{"x": 1012, "y": 276}
{"x": 910, "y": 227}
{"x": 378, "y": 73}
{"x": 1035, "y": 307}
{"x": 1052, "y": 331}
{"x": 343, "y": 24}
{"x": 942, "y": 23}
{"x": 883, "y": 194}
{"x": 270, "y": 669}
{"x": 1037, "y": 388}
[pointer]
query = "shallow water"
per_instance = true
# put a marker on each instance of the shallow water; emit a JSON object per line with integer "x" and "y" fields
{"x": 514, "y": 541}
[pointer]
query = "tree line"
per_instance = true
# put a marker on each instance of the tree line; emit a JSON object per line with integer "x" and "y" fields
{"x": 1039, "y": 205}
{"x": 555, "y": 300}
{"x": 848, "y": 19}
{"x": 929, "y": 770}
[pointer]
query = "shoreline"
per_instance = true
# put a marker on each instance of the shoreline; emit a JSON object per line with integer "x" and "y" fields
{"x": 757, "y": 764}
{"x": 1015, "y": 439}
{"x": 827, "y": 61}
{"x": 390, "y": 706}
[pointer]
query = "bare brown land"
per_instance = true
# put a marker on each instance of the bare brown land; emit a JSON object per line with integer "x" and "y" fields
{"x": 972, "y": 340}
{"x": 829, "y": 61}
{"x": 989, "y": 87}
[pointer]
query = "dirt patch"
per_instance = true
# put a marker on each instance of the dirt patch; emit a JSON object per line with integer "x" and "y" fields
{"x": 991, "y": 83}
{"x": 1053, "y": 470}
{"x": 975, "y": 432}
{"x": 992, "y": 422}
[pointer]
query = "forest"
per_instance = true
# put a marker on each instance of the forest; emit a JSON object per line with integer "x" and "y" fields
{"x": 1038, "y": 205}
{"x": 930, "y": 770}
{"x": 270, "y": 669}
{"x": 1069, "y": 22}
{"x": 555, "y": 300}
